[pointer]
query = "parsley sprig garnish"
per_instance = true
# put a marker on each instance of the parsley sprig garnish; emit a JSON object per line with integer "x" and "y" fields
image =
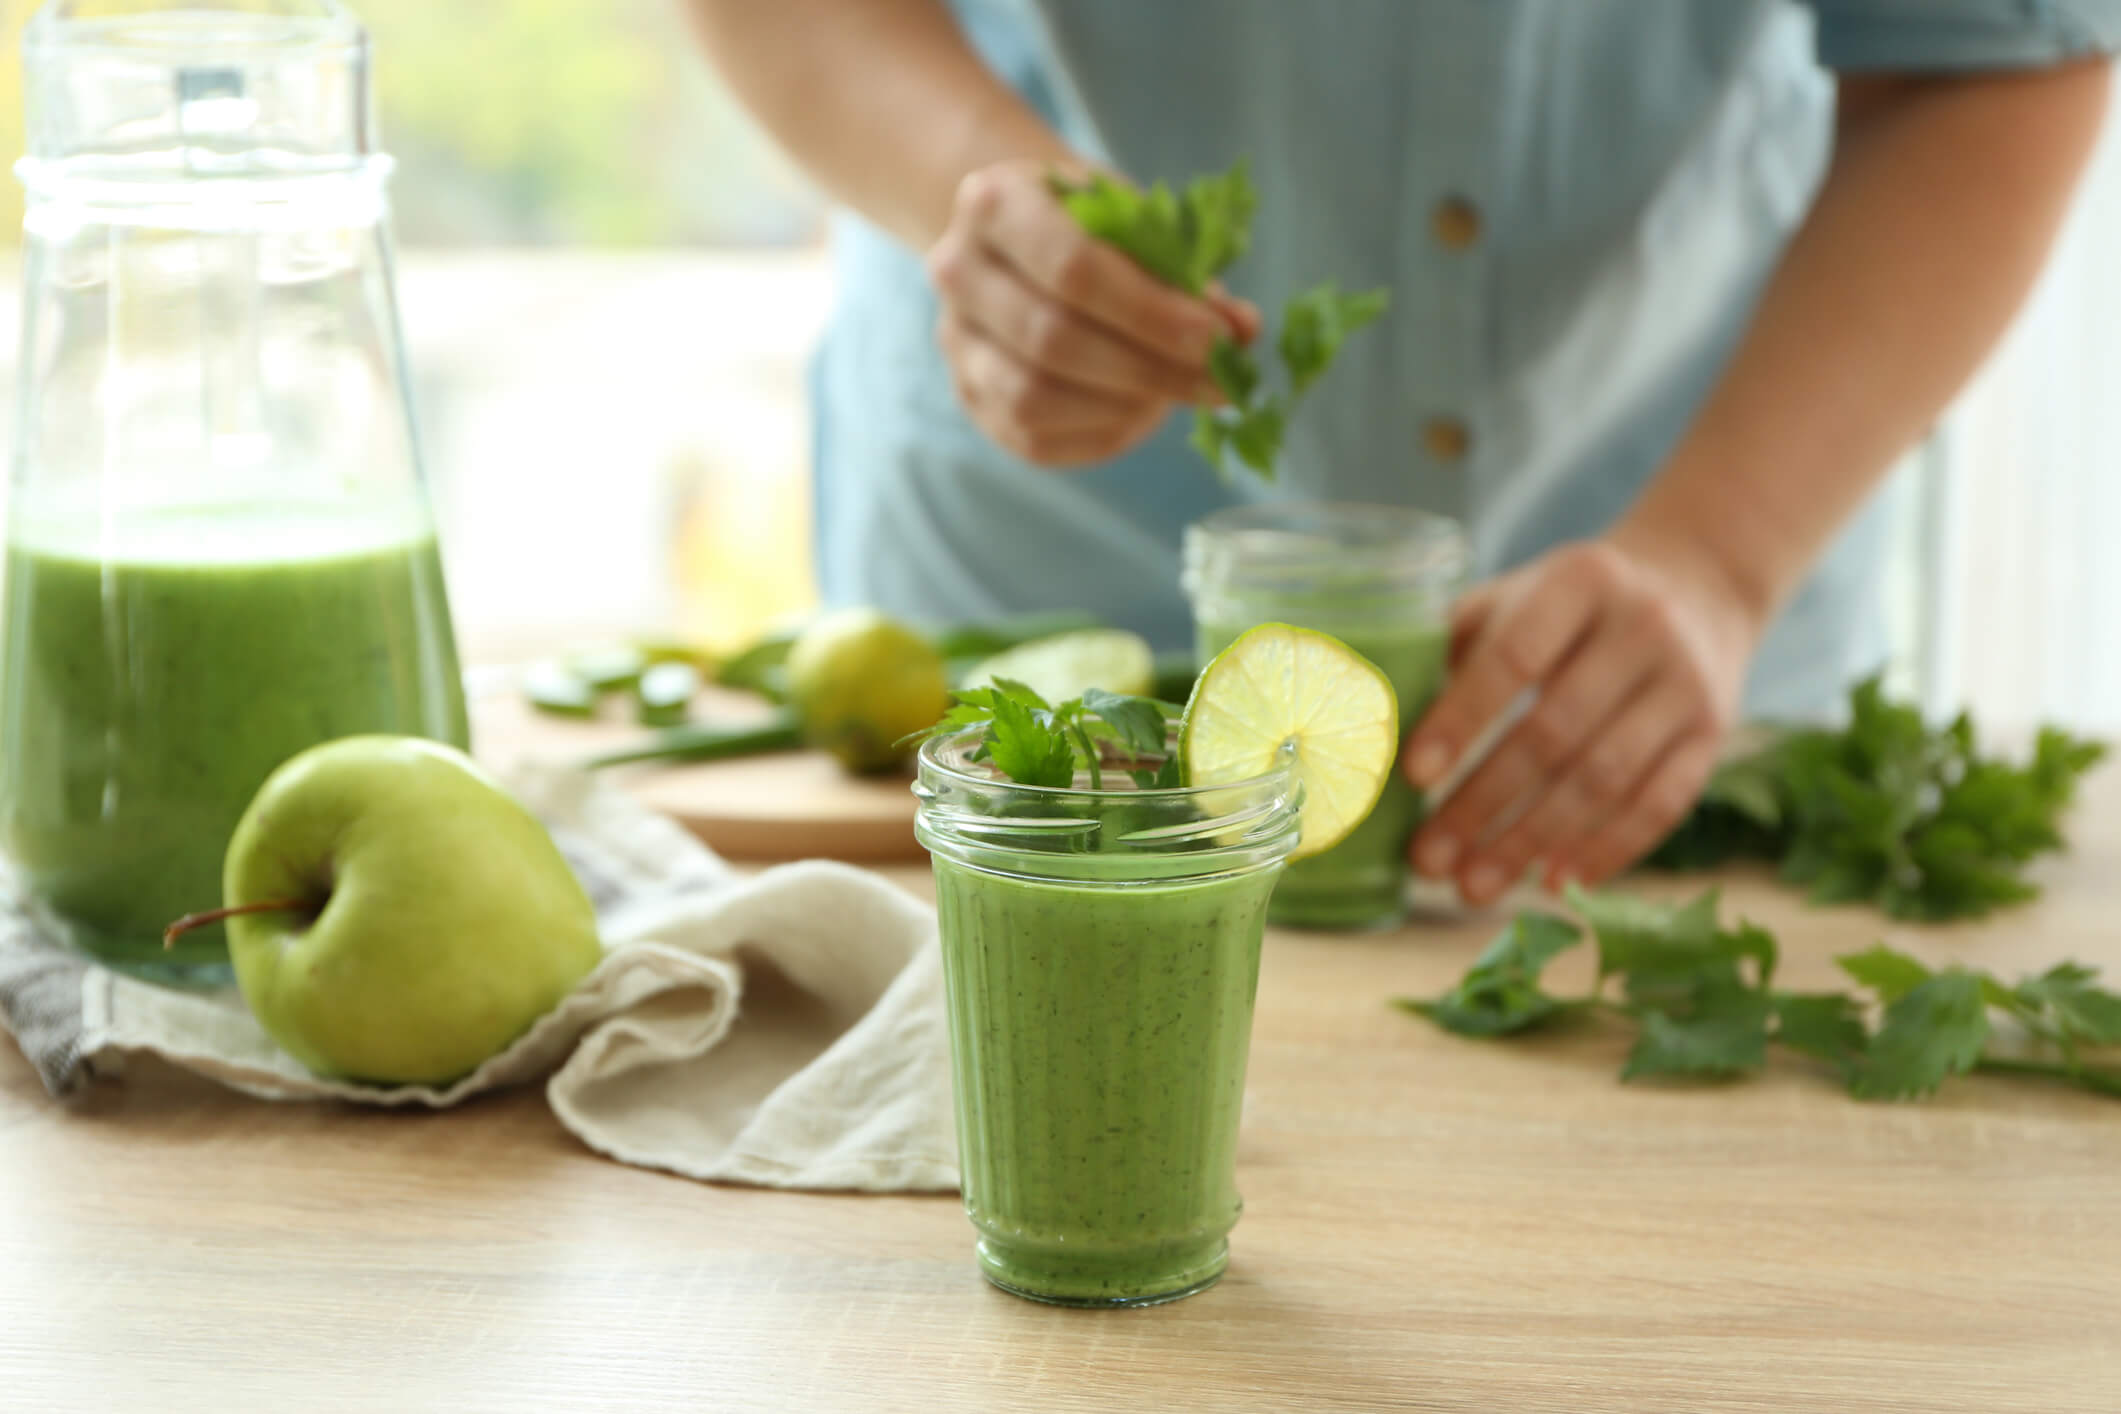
{"x": 1890, "y": 811}
{"x": 1703, "y": 1001}
{"x": 1038, "y": 743}
{"x": 1187, "y": 238}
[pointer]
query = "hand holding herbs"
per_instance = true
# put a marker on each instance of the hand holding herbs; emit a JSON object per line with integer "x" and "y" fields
{"x": 1704, "y": 1005}
{"x": 1186, "y": 239}
{"x": 1888, "y": 811}
{"x": 1061, "y": 349}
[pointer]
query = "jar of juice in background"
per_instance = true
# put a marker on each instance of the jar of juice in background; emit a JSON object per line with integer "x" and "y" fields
{"x": 1382, "y": 580}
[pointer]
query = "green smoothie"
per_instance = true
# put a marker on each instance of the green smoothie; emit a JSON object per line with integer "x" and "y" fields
{"x": 1361, "y": 881}
{"x": 155, "y": 671}
{"x": 1099, "y": 1035}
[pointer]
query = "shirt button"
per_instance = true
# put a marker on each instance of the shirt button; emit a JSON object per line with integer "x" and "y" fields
{"x": 1455, "y": 223}
{"x": 1446, "y": 439}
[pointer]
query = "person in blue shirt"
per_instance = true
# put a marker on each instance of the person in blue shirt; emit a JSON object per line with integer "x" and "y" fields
{"x": 1675, "y": 282}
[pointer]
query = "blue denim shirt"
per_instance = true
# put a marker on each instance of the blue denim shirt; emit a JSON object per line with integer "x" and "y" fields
{"x": 1632, "y": 170}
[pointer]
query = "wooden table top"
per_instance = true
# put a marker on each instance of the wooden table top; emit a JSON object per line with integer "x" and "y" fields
{"x": 1431, "y": 1223}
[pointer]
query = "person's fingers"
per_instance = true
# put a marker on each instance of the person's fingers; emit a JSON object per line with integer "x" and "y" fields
{"x": 1596, "y": 784}
{"x": 1656, "y": 808}
{"x": 1523, "y": 641}
{"x": 1242, "y": 315}
{"x": 1013, "y": 214}
{"x": 1048, "y": 335}
{"x": 1445, "y": 845}
{"x": 1469, "y": 616}
{"x": 1039, "y": 417}
{"x": 1088, "y": 446}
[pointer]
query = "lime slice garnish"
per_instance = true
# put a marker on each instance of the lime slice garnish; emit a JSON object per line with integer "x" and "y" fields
{"x": 1281, "y": 693}
{"x": 1069, "y": 664}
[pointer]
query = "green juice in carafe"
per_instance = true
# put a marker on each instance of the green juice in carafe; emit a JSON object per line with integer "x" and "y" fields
{"x": 156, "y": 668}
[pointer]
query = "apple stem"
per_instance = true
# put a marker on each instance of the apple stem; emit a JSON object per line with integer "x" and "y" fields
{"x": 190, "y": 921}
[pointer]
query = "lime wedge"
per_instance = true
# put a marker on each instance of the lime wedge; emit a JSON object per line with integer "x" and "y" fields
{"x": 1069, "y": 664}
{"x": 1293, "y": 693}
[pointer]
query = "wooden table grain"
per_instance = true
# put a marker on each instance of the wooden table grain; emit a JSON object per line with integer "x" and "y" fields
{"x": 1431, "y": 1224}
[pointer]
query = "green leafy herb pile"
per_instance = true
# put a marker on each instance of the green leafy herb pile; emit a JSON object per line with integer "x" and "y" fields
{"x": 1703, "y": 999}
{"x": 1037, "y": 743}
{"x": 1187, "y": 238}
{"x": 1888, "y": 810}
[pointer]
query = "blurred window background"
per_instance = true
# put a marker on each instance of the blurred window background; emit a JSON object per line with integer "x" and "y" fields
{"x": 610, "y": 285}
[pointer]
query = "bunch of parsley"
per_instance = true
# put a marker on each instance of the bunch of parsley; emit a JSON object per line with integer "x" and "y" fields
{"x": 1187, "y": 238}
{"x": 1703, "y": 999}
{"x": 1037, "y": 743}
{"x": 1888, "y": 810}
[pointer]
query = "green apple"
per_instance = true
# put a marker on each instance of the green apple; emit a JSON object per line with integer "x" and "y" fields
{"x": 395, "y": 916}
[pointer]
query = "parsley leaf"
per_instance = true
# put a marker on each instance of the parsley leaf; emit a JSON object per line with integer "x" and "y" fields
{"x": 1186, "y": 239}
{"x": 1025, "y": 745}
{"x": 1500, "y": 993}
{"x": 1137, "y": 721}
{"x": 1701, "y": 997}
{"x": 2067, "y": 1001}
{"x": 1889, "y": 811}
{"x": 1183, "y": 239}
{"x": 1722, "y": 1033}
{"x": 1892, "y": 975}
{"x": 1827, "y": 1026}
{"x": 1255, "y": 435}
{"x": 1936, "y": 1030}
{"x": 1314, "y": 324}
{"x": 1039, "y": 743}
{"x": 1234, "y": 370}
{"x": 1670, "y": 954}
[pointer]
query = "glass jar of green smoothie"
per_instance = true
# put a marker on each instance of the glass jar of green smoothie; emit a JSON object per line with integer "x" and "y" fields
{"x": 1100, "y": 954}
{"x": 1382, "y": 580}
{"x": 218, "y": 550}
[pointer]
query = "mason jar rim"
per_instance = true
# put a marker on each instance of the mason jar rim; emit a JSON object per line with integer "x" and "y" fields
{"x": 931, "y": 751}
{"x": 1278, "y": 537}
{"x": 1108, "y": 837}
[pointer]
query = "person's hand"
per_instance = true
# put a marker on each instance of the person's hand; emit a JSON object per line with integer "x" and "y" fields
{"x": 1637, "y": 653}
{"x": 1061, "y": 348}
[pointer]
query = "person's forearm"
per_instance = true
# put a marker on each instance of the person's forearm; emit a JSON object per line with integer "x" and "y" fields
{"x": 882, "y": 101}
{"x": 1935, "y": 216}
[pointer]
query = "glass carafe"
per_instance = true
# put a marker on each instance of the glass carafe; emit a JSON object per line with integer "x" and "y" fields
{"x": 218, "y": 545}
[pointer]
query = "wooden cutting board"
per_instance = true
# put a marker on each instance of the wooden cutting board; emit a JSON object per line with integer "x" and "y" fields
{"x": 786, "y": 805}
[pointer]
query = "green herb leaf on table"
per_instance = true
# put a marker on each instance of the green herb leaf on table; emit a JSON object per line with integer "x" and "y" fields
{"x": 1935, "y": 1031}
{"x": 1888, "y": 810}
{"x": 1892, "y": 975}
{"x": 1702, "y": 997}
{"x": 2066, "y": 1001}
{"x": 1500, "y": 994}
{"x": 1723, "y": 1032}
{"x": 1826, "y": 1026}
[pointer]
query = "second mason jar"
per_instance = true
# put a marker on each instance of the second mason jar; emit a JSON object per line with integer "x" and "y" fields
{"x": 1379, "y": 578}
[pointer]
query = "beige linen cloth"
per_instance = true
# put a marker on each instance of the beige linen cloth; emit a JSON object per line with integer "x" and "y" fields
{"x": 784, "y": 1029}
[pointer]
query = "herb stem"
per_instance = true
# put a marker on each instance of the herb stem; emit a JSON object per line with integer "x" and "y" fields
{"x": 2104, "y": 1082}
{"x": 1090, "y": 754}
